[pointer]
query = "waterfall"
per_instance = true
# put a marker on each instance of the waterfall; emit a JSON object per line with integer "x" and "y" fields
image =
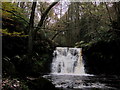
{"x": 67, "y": 61}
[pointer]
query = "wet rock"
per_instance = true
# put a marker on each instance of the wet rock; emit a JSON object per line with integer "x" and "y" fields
{"x": 86, "y": 84}
{"x": 41, "y": 84}
{"x": 71, "y": 87}
{"x": 9, "y": 68}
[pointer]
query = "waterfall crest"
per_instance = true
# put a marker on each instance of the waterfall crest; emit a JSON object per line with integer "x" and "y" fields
{"x": 67, "y": 61}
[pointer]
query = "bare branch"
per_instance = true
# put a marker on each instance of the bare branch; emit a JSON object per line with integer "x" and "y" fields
{"x": 57, "y": 34}
{"x": 44, "y": 15}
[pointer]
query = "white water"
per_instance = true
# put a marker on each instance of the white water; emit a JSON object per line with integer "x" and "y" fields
{"x": 67, "y": 61}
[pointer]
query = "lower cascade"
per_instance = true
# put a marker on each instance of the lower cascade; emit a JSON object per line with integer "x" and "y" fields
{"x": 67, "y": 61}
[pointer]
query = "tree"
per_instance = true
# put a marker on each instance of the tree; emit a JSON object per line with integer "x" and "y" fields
{"x": 31, "y": 28}
{"x": 82, "y": 22}
{"x": 32, "y": 31}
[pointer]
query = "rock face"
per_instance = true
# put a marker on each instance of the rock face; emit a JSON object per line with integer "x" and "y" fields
{"x": 102, "y": 57}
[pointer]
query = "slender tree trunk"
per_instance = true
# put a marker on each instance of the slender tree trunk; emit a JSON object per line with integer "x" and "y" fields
{"x": 31, "y": 28}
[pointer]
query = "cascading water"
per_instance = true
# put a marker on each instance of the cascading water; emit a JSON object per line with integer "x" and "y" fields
{"x": 67, "y": 61}
{"x": 68, "y": 72}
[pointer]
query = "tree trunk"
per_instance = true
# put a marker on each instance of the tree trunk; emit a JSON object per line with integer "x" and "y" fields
{"x": 33, "y": 31}
{"x": 31, "y": 28}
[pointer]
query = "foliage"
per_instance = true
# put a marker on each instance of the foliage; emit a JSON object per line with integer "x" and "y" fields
{"x": 101, "y": 56}
{"x": 13, "y": 34}
{"x": 17, "y": 46}
{"x": 82, "y": 44}
{"x": 15, "y": 40}
{"x": 13, "y": 84}
{"x": 16, "y": 62}
{"x": 27, "y": 84}
{"x": 81, "y": 22}
{"x": 14, "y": 18}
{"x": 101, "y": 53}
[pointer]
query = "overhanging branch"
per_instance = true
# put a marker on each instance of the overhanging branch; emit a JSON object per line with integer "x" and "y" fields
{"x": 15, "y": 15}
{"x": 44, "y": 15}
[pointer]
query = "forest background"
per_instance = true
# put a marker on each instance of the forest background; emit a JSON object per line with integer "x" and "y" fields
{"x": 32, "y": 30}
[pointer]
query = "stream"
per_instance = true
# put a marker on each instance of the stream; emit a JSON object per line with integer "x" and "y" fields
{"x": 84, "y": 82}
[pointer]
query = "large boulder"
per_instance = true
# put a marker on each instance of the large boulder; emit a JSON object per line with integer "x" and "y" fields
{"x": 40, "y": 84}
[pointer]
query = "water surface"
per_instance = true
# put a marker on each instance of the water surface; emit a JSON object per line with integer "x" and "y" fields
{"x": 84, "y": 82}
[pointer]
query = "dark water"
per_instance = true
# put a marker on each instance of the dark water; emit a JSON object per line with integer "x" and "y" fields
{"x": 85, "y": 82}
